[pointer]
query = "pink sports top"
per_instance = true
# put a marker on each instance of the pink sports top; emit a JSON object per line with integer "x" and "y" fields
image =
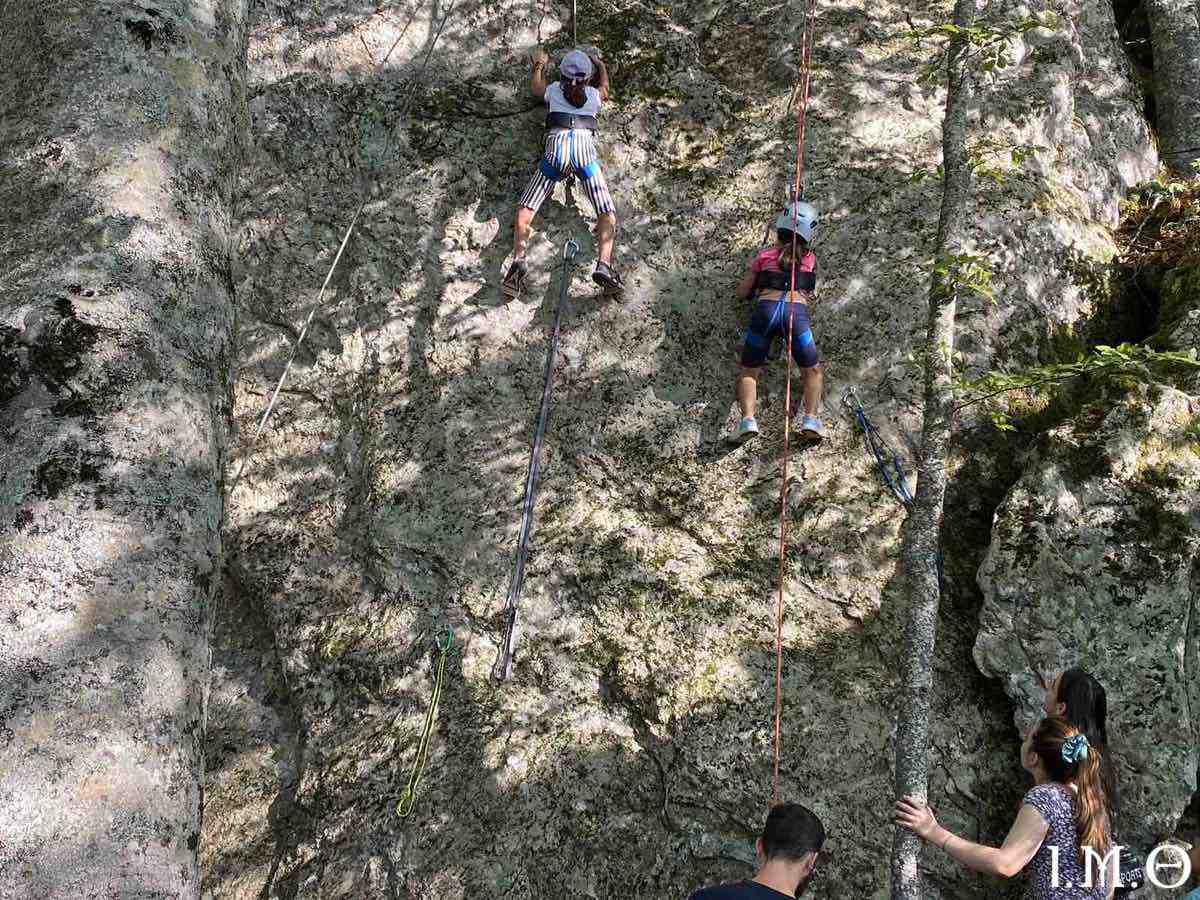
{"x": 770, "y": 277}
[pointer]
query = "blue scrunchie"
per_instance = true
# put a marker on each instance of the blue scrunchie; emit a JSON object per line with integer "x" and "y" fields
{"x": 1075, "y": 748}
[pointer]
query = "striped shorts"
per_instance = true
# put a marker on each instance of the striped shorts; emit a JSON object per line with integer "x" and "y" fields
{"x": 569, "y": 152}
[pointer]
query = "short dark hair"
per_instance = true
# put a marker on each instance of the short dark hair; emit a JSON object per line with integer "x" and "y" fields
{"x": 791, "y": 831}
{"x": 785, "y": 236}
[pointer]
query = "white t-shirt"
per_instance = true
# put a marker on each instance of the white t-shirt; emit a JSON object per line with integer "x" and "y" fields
{"x": 558, "y": 103}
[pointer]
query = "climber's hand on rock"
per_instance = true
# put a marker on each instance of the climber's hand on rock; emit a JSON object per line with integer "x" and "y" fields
{"x": 539, "y": 57}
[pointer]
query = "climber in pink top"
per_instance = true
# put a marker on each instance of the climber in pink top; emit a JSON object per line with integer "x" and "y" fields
{"x": 769, "y": 280}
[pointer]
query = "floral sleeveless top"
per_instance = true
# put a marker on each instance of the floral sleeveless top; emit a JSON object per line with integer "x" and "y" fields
{"x": 1063, "y": 879}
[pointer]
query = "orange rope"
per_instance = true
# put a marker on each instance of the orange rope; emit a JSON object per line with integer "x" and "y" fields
{"x": 806, "y": 42}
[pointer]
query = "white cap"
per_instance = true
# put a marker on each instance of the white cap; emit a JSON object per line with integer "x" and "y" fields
{"x": 576, "y": 66}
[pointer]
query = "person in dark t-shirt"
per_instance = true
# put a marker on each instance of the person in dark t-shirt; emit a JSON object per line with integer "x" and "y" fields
{"x": 788, "y": 849}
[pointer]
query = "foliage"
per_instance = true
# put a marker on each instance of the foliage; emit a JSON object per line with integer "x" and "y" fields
{"x": 989, "y": 158}
{"x": 990, "y": 44}
{"x": 958, "y": 272}
{"x": 1125, "y": 361}
{"x": 1191, "y": 433}
{"x": 1161, "y": 223}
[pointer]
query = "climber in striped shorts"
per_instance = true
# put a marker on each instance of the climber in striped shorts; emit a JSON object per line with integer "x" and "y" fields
{"x": 570, "y": 150}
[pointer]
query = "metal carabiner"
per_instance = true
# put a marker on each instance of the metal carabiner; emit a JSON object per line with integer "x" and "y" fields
{"x": 570, "y": 249}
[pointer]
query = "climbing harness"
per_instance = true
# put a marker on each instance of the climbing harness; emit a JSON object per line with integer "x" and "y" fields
{"x": 566, "y": 120}
{"x": 782, "y": 281}
{"x": 801, "y": 117}
{"x": 503, "y": 667}
{"x": 552, "y": 171}
{"x": 409, "y": 796}
{"x": 887, "y": 459}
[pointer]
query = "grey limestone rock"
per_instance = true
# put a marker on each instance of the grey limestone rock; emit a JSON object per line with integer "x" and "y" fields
{"x": 1179, "y": 315}
{"x": 1066, "y": 104}
{"x": 118, "y": 143}
{"x": 633, "y": 744}
{"x": 1094, "y": 562}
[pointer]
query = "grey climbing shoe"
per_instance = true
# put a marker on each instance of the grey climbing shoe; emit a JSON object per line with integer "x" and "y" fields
{"x": 514, "y": 279}
{"x": 608, "y": 278}
{"x": 811, "y": 427}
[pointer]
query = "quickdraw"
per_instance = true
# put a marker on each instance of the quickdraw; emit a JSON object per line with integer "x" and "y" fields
{"x": 887, "y": 459}
{"x": 890, "y": 466}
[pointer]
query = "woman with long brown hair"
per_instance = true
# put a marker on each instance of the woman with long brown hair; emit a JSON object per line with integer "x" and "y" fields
{"x": 1079, "y": 698}
{"x": 1062, "y": 832}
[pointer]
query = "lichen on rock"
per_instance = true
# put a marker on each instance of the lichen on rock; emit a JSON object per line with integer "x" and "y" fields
{"x": 115, "y": 325}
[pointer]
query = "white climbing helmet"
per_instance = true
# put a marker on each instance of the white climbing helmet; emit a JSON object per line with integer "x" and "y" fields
{"x": 800, "y": 217}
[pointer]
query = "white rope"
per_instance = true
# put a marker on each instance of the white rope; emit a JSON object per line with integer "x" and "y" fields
{"x": 262, "y": 423}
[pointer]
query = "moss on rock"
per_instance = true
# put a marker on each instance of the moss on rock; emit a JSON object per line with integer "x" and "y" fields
{"x": 1179, "y": 310}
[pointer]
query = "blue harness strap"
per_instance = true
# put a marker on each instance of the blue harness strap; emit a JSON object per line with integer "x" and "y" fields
{"x": 754, "y": 339}
{"x": 547, "y": 168}
{"x": 554, "y": 173}
{"x": 776, "y": 313}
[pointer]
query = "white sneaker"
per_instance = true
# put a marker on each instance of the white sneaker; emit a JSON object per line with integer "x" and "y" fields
{"x": 746, "y": 430}
{"x": 810, "y": 426}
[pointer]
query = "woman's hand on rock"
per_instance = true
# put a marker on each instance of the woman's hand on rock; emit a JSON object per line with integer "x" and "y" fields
{"x": 918, "y": 818}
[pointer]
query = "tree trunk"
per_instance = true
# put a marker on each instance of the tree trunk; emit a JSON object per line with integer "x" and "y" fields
{"x": 921, "y": 532}
{"x": 1175, "y": 41}
{"x": 118, "y": 129}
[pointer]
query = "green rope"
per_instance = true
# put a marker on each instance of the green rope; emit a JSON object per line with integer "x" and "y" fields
{"x": 407, "y": 799}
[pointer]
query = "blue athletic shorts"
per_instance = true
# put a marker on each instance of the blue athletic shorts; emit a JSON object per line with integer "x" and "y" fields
{"x": 770, "y": 319}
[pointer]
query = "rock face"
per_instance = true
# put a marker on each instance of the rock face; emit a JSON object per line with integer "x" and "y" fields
{"x": 1094, "y": 562}
{"x": 633, "y": 744}
{"x": 118, "y": 143}
{"x": 1061, "y": 98}
{"x": 1179, "y": 313}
